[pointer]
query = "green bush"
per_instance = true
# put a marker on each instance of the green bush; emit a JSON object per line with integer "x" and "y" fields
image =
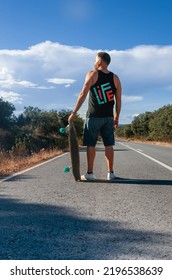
{"x": 155, "y": 126}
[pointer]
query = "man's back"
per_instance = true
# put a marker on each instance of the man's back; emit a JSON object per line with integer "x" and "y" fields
{"x": 101, "y": 95}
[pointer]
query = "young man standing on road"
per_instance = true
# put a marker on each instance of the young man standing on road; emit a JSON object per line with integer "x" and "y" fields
{"x": 104, "y": 89}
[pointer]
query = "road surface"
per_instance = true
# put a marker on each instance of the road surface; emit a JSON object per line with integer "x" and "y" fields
{"x": 45, "y": 214}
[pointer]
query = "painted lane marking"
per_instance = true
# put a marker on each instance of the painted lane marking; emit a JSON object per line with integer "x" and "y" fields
{"x": 151, "y": 158}
{"x": 139, "y": 150}
{"x": 30, "y": 168}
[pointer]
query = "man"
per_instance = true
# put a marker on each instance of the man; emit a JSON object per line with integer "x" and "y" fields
{"x": 104, "y": 89}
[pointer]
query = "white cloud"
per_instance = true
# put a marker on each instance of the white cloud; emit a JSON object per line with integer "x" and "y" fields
{"x": 11, "y": 96}
{"x": 150, "y": 62}
{"x": 145, "y": 73}
{"x": 7, "y": 80}
{"x": 144, "y": 65}
{"x": 12, "y": 84}
{"x": 59, "y": 81}
{"x": 127, "y": 99}
{"x": 5, "y": 74}
{"x": 68, "y": 85}
{"x": 134, "y": 115}
{"x": 127, "y": 118}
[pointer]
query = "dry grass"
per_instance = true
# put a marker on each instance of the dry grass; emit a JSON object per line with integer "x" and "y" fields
{"x": 165, "y": 144}
{"x": 9, "y": 165}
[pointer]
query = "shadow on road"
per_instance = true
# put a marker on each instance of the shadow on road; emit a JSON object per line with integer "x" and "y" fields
{"x": 127, "y": 181}
{"x": 118, "y": 180}
{"x": 20, "y": 177}
{"x": 144, "y": 182}
{"x": 37, "y": 231}
{"x": 102, "y": 149}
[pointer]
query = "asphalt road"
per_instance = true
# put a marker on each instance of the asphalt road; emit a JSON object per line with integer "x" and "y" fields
{"x": 45, "y": 214}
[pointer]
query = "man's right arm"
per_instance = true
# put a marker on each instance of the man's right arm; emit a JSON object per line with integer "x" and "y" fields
{"x": 89, "y": 81}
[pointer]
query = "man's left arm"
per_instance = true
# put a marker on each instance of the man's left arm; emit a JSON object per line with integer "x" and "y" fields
{"x": 118, "y": 95}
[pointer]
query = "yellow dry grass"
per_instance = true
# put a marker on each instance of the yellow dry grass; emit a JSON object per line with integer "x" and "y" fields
{"x": 12, "y": 165}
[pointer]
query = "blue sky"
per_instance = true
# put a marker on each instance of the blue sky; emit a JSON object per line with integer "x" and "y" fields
{"x": 47, "y": 47}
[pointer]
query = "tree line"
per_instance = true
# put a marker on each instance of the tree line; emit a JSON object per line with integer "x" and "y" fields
{"x": 153, "y": 126}
{"x": 34, "y": 129}
{"x": 37, "y": 129}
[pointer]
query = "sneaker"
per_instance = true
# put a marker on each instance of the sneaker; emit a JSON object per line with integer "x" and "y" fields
{"x": 111, "y": 176}
{"x": 88, "y": 177}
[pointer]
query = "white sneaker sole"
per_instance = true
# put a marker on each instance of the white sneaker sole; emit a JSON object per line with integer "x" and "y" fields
{"x": 87, "y": 179}
{"x": 111, "y": 179}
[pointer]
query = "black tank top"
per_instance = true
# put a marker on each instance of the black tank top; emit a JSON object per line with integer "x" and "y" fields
{"x": 101, "y": 96}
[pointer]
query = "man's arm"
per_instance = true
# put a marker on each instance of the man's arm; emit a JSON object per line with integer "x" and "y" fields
{"x": 89, "y": 81}
{"x": 118, "y": 95}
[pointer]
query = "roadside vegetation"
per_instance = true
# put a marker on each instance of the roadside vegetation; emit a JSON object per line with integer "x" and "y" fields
{"x": 34, "y": 135}
{"x": 149, "y": 126}
{"x": 31, "y": 137}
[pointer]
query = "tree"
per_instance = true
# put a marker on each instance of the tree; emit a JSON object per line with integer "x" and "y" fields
{"x": 128, "y": 132}
{"x": 49, "y": 122}
{"x": 63, "y": 117}
{"x": 6, "y": 114}
{"x": 140, "y": 124}
{"x": 124, "y": 131}
{"x": 32, "y": 116}
{"x": 161, "y": 124}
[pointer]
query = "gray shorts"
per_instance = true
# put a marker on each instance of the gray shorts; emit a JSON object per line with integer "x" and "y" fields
{"x": 99, "y": 126}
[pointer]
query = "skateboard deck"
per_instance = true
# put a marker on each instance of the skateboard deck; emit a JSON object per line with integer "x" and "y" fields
{"x": 74, "y": 151}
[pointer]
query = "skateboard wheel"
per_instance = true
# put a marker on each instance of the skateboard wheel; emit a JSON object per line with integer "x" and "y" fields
{"x": 63, "y": 130}
{"x": 66, "y": 169}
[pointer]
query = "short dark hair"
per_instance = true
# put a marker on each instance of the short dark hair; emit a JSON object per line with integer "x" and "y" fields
{"x": 105, "y": 57}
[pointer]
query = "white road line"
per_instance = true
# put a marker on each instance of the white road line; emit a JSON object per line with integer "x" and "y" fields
{"x": 139, "y": 150}
{"x": 151, "y": 158}
{"x": 30, "y": 168}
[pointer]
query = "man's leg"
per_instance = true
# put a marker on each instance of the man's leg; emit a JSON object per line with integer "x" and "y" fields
{"x": 109, "y": 155}
{"x": 91, "y": 153}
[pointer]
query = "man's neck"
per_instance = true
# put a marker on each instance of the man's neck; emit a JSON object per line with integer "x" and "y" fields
{"x": 103, "y": 69}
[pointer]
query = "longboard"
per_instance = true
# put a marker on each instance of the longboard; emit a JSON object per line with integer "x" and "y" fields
{"x": 74, "y": 151}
